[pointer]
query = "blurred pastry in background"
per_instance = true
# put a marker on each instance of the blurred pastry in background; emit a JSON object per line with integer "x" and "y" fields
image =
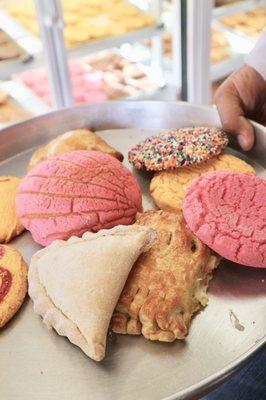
{"x": 10, "y": 111}
{"x": 250, "y": 23}
{"x": 9, "y": 48}
{"x": 95, "y": 78}
{"x": 220, "y": 48}
{"x": 86, "y": 20}
{"x": 219, "y": 3}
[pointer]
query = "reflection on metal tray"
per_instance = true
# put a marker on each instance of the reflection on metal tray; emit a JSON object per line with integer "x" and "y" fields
{"x": 47, "y": 366}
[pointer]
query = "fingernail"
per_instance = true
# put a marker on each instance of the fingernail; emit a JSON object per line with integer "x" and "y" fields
{"x": 244, "y": 142}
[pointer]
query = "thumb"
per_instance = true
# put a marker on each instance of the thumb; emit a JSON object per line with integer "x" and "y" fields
{"x": 245, "y": 133}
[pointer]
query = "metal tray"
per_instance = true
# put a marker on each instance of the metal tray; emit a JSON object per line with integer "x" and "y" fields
{"x": 36, "y": 363}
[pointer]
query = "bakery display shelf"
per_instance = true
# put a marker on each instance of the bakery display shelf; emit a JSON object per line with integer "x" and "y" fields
{"x": 243, "y": 42}
{"x": 14, "y": 64}
{"x": 234, "y": 8}
{"x": 33, "y": 44}
{"x": 24, "y": 38}
{"x": 41, "y": 107}
{"x": 145, "y": 82}
{"x": 239, "y": 40}
{"x": 24, "y": 98}
{"x": 116, "y": 41}
{"x": 220, "y": 69}
{"x": 224, "y": 68}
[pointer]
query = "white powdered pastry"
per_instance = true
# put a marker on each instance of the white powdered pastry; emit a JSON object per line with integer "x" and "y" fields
{"x": 75, "y": 284}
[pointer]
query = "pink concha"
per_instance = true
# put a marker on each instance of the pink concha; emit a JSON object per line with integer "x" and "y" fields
{"x": 227, "y": 211}
{"x": 77, "y": 192}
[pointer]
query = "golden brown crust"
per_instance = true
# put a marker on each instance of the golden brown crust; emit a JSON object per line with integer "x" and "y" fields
{"x": 79, "y": 139}
{"x": 13, "y": 283}
{"x": 10, "y": 225}
{"x": 168, "y": 187}
{"x": 163, "y": 289}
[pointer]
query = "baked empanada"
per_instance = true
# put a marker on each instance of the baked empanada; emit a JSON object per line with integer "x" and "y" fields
{"x": 75, "y": 284}
{"x": 79, "y": 139}
{"x": 168, "y": 284}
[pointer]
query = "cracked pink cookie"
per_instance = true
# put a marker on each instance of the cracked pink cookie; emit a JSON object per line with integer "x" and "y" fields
{"x": 77, "y": 192}
{"x": 227, "y": 211}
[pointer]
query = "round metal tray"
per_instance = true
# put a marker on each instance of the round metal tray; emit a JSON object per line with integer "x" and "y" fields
{"x": 36, "y": 363}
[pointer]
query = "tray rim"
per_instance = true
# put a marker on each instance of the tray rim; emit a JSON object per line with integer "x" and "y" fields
{"x": 210, "y": 382}
{"x": 125, "y": 101}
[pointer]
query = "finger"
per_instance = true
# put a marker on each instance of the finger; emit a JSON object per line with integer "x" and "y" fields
{"x": 232, "y": 116}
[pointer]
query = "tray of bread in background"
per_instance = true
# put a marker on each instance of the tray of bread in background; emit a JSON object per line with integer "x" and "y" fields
{"x": 249, "y": 23}
{"x": 10, "y": 110}
{"x": 220, "y": 46}
{"x": 85, "y": 20}
{"x": 138, "y": 230}
{"x": 10, "y": 50}
{"x": 95, "y": 78}
{"x": 18, "y": 103}
{"x": 243, "y": 20}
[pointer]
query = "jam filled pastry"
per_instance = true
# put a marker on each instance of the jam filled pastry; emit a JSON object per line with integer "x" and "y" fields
{"x": 13, "y": 282}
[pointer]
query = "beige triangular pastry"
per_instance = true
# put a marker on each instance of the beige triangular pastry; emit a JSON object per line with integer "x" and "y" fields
{"x": 75, "y": 284}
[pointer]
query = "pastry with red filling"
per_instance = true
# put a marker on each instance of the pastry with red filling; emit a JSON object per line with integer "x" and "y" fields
{"x": 13, "y": 282}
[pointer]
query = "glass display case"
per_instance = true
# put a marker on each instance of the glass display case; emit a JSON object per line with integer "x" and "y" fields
{"x": 152, "y": 49}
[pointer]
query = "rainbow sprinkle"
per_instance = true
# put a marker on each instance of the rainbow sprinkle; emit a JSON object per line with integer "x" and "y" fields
{"x": 173, "y": 149}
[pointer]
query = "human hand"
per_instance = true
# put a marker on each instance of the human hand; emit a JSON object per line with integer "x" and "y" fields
{"x": 242, "y": 95}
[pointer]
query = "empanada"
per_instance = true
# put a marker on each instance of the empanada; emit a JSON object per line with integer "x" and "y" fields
{"x": 168, "y": 284}
{"x": 75, "y": 284}
{"x": 79, "y": 139}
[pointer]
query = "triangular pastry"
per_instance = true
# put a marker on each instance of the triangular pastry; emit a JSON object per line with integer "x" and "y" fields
{"x": 75, "y": 284}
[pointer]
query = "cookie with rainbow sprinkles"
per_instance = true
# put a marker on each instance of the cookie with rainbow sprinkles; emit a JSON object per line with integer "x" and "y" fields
{"x": 178, "y": 148}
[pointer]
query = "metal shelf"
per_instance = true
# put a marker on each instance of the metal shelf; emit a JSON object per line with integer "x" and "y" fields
{"x": 116, "y": 41}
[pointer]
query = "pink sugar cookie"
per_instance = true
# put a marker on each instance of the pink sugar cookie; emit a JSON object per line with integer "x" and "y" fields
{"x": 77, "y": 192}
{"x": 227, "y": 211}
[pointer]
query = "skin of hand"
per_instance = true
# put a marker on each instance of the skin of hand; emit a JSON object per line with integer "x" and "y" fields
{"x": 242, "y": 95}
